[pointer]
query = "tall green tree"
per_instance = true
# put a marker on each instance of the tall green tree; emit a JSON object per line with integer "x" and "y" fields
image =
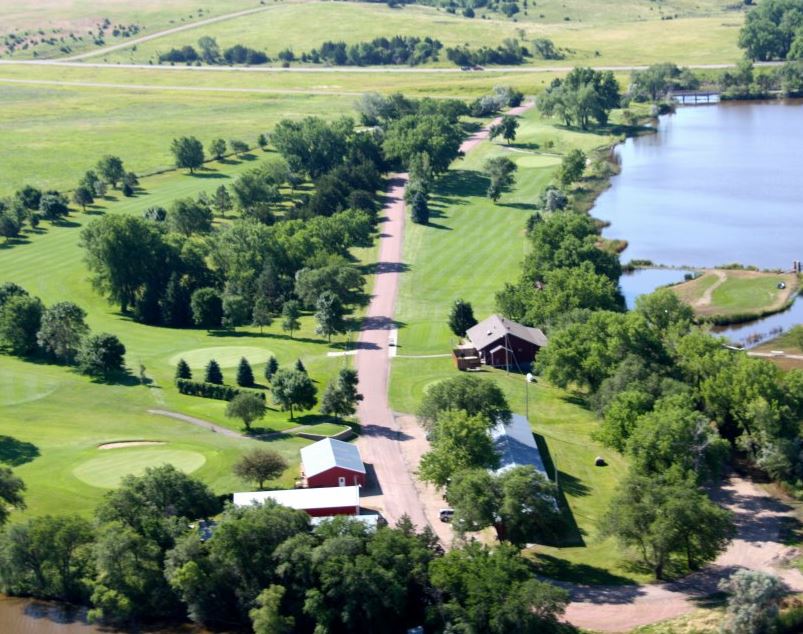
{"x": 101, "y": 355}
{"x": 188, "y": 153}
{"x": 470, "y": 394}
{"x": 245, "y": 375}
{"x": 506, "y": 128}
{"x": 188, "y": 216}
{"x": 110, "y": 169}
{"x": 293, "y": 390}
{"x": 11, "y": 493}
{"x": 266, "y": 617}
{"x": 753, "y": 601}
{"x": 341, "y": 397}
{"x": 183, "y": 370}
{"x": 217, "y": 148}
{"x": 412, "y": 135}
{"x": 461, "y": 317}
{"x": 212, "y": 373}
{"x": 500, "y": 170}
{"x": 329, "y": 316}
{"x": 271, "y": 368}
{"x": 572, "y": 167}
{"x": 83, "y": 196}
{"x": 248, "y": 407}
{"x": 62, "y": 330}
{"x": 259, "y": 465}
{"x": 291, "y": 312}
{"x": 207, "y": 308}
{"x": 20, "y": 321}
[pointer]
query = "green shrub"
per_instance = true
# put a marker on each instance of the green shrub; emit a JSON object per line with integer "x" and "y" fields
{"x": 211, "y": 390}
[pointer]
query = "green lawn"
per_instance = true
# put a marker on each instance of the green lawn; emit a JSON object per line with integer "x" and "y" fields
{"x": 325, "y": 429}
{"x": 471, "y": 249}
{"x": 65, "y": 416}
{"x": 741, "y": 294}
{"x": 596, "y": 32}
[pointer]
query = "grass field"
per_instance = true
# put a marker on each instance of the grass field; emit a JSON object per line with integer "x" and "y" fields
{"x": 598, "y": 32}
{"x": 470, "y": 250}
{"x": 722, "y": 293}
{"x": 57, "y": 418}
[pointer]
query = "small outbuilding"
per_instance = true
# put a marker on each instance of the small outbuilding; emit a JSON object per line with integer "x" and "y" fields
{"x": 466, "y": 357}
{"x": 322, "y": 502}
{"x": 503, "y": 343}
{"x": 332, "y": 463}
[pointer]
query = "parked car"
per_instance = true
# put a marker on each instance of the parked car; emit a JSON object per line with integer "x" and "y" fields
{"x": 446, "y": 515}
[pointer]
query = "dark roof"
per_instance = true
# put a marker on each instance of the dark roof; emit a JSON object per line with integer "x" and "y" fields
{"x": 490, "y": 330}
{"x": 516, "y": 445}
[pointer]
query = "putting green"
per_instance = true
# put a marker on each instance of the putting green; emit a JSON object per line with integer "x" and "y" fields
{"x": 226, "y": 356}
{"x": 23, "y": 387}
{"x": 534, "y": 160}
{"x": 107, "y": 471}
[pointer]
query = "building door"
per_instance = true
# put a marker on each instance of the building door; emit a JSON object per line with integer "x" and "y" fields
{"x": 341, "y": 481}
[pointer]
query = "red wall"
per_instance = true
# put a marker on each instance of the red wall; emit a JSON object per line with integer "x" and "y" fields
{"x": 329, "y": 478}
{"x": 335, "y": 510}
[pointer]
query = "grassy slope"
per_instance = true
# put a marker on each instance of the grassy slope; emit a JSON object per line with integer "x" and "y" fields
{"x": 601, "y": 33}
{"x": 473, "y": 248}
{"x": 67, "y": 416}
{"x": 58, "y": 133}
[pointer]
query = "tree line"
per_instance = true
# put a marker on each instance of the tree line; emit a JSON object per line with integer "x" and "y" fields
{"x": 149, "y": 555}
{"x": 773, "y": 30}
{"x": 58, "y": 333}
{"x": 209, "y": 52}
{"x": 399, "y": 50}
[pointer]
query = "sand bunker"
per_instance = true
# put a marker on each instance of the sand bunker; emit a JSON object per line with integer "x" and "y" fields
{"x": 129, "y": 443}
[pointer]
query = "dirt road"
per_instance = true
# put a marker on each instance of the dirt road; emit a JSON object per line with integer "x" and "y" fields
{"x": 757, "y": 546}
{"x": 380, "y": 442}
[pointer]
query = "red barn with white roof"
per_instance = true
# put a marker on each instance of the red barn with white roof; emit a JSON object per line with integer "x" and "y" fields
{"x": 332, "y": 463}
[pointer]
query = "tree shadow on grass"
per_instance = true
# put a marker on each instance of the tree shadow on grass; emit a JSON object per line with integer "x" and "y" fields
{"x": 576, "y": 399}
{"x": 562, "y": 570}
{"x": 263, "y": 335}
{"x": 522, "y": 206}
{"x": 10, "y": 243}
{"x": 525, "y": 146}
{"x": 207, "y": 175}
{"x": 15, "y": 452}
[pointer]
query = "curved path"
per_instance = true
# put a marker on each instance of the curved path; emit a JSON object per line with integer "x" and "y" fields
{"x": 381, "y": 435}
{"x": 758, "y": 545}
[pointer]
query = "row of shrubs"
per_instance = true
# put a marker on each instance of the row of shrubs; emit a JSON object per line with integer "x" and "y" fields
{"x": 212, "y": 390}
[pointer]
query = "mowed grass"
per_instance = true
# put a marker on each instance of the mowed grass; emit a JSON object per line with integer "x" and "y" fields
{"x": 471, "y": 249}
{"x": 55, "y": 418}
{"x": 108, "y": 470}
{"x": 598, "y": 32}
{"x": 472, "y": 246}
{"x": 57, "y": 133}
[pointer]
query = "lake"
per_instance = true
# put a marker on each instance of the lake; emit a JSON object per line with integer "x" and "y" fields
{"x": 716, "y": 184}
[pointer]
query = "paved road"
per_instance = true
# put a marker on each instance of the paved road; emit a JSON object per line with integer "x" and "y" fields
{"x": 381, "y": 437}
{"x": 184, "y": 27}
{"x": 76, "y": 63}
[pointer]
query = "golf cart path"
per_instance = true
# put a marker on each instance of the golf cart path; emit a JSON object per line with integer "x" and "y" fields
{"x": 393, "y": 487}
{"x": 705, "y": 298}
{"x": 219, "y": 429}
{"x": 757, "y": 546}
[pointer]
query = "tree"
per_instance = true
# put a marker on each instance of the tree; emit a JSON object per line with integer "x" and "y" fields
{"x": 101, "y": 355}
{"x": 53, "y": 206}
{"x": 271, "y": 367}
{"x": 293, "y": 389}
{"x": 419, "y": 208}
{"x": 572, "y": 167}
{"x": 248, "y": 407}
{"x": 127, "y": 189}
{"x": 261, "y": 314}
{"x": 48, "y": 557}
{"x": 461, "y": 317}
{"x": 329, "y": 316}
{"x": 155, "y": 214}
{"x": 341, "y": 397}
{"x": 207, "y": 308}
{"x": 29, "y": 197}
{"x": 125, "y": 254}
{"x": 300, "y": 366}
{"x": 210, "y": 52}
{"x": 188, "y": 216}
{"x": 217, "y": 148}
{"x": 111, "y": 170}
{"x": 754, "y": 597}
{"x": 238, "y": 147}
{"x": 545, "y": 49}
{"x": 434, "y": 135}
{"x": 63, "y": 327}
{"x": 245, "y": 376}
{"x": 235, "y": 310}
{"x": 20, "y": 321}
{"x": 83, "y": 196}
{"x": 492, "y": 590}
{"x": 291, "y": 311}
{"x": 11, "y": 488}
{"x": 212, "y": 373}
{"x": 188, "y": 152}
{"x": 584, "y": 94}
{"x": 470, "y": 394}
{"x": 183, "y": 370}
{"x": 312, "y": 146}
{"x": 262, "y": 140}
{"x": 500, "y": 170}
{"x": 222, "y": 200}
{"x": 663, "y": 515}
{"x": 459, "y": 441}
{"x": 10, "y": 225}
{"x": 259, "y": 465}
{"x": 506, "y": 128}
{"x": 266, "y": 617}
{"x": 528, "y": 510}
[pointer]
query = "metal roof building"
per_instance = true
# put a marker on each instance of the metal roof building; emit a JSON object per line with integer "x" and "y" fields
{"x": 331, "y": 462}
{"x": 343, "y": 500}
{"x": 516, "y": 445}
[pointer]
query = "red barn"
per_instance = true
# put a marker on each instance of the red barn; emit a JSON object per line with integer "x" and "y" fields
{"x": 323, "y": 502}
{"x": 503, "y": 343}
{"x": 332, "y": 463}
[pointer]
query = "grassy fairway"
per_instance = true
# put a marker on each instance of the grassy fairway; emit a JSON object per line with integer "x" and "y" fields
{"x": 598, "y": 33}
{"x": 471, "y": 249}
{"x": 54, "y": 419}
{"x": 724, "y": 295}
